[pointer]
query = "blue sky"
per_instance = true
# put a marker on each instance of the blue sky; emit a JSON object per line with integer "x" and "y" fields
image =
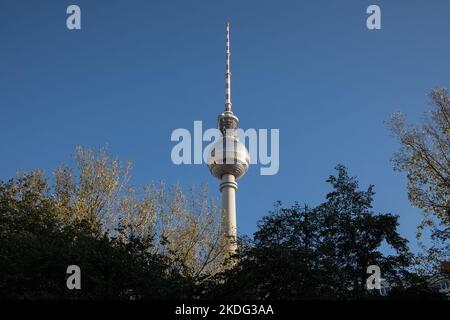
{"x": 140, "y": 69}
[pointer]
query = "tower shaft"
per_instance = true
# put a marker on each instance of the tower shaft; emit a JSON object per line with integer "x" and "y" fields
{"x": 228, "y": 189}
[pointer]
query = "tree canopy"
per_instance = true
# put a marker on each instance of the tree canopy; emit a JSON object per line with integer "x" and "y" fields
{"x": 322, "y": 252}
{"x": 425, "y": 158}
{"x": 164, "y": 243}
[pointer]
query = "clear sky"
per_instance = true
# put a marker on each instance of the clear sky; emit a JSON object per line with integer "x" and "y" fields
{"x": 140, "y": 69}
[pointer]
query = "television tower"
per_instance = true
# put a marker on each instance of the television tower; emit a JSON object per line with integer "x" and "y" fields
{"x": 229, "y": 159}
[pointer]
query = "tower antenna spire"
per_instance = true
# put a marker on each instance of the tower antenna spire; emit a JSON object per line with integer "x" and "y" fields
{"x": 228, "y": 70}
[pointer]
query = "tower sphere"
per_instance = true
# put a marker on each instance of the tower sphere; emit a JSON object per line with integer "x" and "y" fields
{"x": 228, "y": 156}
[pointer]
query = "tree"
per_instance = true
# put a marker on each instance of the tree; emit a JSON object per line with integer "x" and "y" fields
{"x": 352, "y": 234}
{"x": 38, "y": 244}
{"x": 424, "y": 157}
{"x": 322, "y": 252}
{"x": 129, "y": 244}
{"x": 182, "y": 225}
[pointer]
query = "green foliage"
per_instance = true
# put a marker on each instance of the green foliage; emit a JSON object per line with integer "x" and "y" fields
{"x": 296, "y": 253}
{"x": 322, "y": 252}
{"x": 38, "y": 246}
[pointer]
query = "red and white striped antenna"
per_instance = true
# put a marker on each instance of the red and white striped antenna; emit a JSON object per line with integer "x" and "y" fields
{"x": 228, "y": 71}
